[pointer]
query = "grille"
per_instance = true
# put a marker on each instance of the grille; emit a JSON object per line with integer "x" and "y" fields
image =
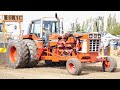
{"x": 94, "y": 45}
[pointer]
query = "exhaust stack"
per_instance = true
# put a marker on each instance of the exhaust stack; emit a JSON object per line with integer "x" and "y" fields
{"x": 60, "y": 31}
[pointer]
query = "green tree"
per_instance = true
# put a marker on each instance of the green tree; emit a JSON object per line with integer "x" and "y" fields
{"x": 89, "y": 27}
{"x": 94, "y": 26}
{"x": 114, "y": 23}
{"x": 101, "y": 24}
{"x": 78, "y": 27}
{"x": 72, "y": 27}
{"x": 113, "y": 27}
{"x": 116, "y": 30}
{"x": 86, "y": 25}
{"x": 83, "y": 27}
{"x": 109, "y": 24}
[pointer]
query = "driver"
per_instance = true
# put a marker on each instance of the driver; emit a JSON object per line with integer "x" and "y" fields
{"x": 44, "y": 35}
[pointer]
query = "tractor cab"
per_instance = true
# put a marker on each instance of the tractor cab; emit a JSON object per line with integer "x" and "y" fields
{"x": 46, "y": 28}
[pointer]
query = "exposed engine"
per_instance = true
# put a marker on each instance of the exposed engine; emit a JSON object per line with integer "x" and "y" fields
{"x": 67, "y": 44}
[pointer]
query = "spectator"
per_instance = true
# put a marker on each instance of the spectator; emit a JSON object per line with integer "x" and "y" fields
{"x": 105, "y": 45}
{"x": 45, "y": 37}
{"x": 115, "y": 45}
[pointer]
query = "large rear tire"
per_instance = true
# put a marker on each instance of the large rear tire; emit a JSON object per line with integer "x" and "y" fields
{"x": 109, "y": 65}
{"x": 17, "y": 54}
{"x": 74, "y": 66}
{"x": 32, "y": 49}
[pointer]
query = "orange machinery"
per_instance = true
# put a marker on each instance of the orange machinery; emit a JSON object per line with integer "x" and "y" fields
{"x": 68, "y": 49}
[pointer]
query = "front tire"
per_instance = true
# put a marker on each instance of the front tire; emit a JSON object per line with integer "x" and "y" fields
{"x": 74, "y": 66}
{"x": 109, "y": 65}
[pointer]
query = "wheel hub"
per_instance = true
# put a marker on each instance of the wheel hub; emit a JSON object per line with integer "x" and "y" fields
{"x": 13, "y": 54}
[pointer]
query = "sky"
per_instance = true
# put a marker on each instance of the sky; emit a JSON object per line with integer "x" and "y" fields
{"x": 68, "y": 16}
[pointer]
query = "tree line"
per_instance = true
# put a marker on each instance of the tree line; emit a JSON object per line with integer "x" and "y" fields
{"x": 97, "y": 25}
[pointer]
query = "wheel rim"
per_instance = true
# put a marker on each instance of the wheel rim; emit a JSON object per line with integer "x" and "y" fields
{"x": 13, "y": 54}
{"x": 71, "y": 67}
{"x": 107, "y": 64}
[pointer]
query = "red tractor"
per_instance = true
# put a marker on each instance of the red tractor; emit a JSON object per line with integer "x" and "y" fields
{"x": 46, "y": 41}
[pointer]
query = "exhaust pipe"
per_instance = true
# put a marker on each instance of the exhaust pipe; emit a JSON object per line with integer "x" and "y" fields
{"x": 60, "y": 31}
{"x": 57, "y": 17}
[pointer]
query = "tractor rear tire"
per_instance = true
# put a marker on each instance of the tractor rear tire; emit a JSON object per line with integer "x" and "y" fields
{"x": 32, "y": 49}
{"x": 17, "y": 54}
{"x": 110, "y": 65}
{"x": 74, "y": 66}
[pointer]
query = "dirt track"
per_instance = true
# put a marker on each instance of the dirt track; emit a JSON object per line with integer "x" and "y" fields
{"x": 90, "y": 71}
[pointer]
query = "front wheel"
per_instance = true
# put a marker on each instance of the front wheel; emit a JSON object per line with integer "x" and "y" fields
{"x": 74, "y": 66}
{"x": 109, "y": 65}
